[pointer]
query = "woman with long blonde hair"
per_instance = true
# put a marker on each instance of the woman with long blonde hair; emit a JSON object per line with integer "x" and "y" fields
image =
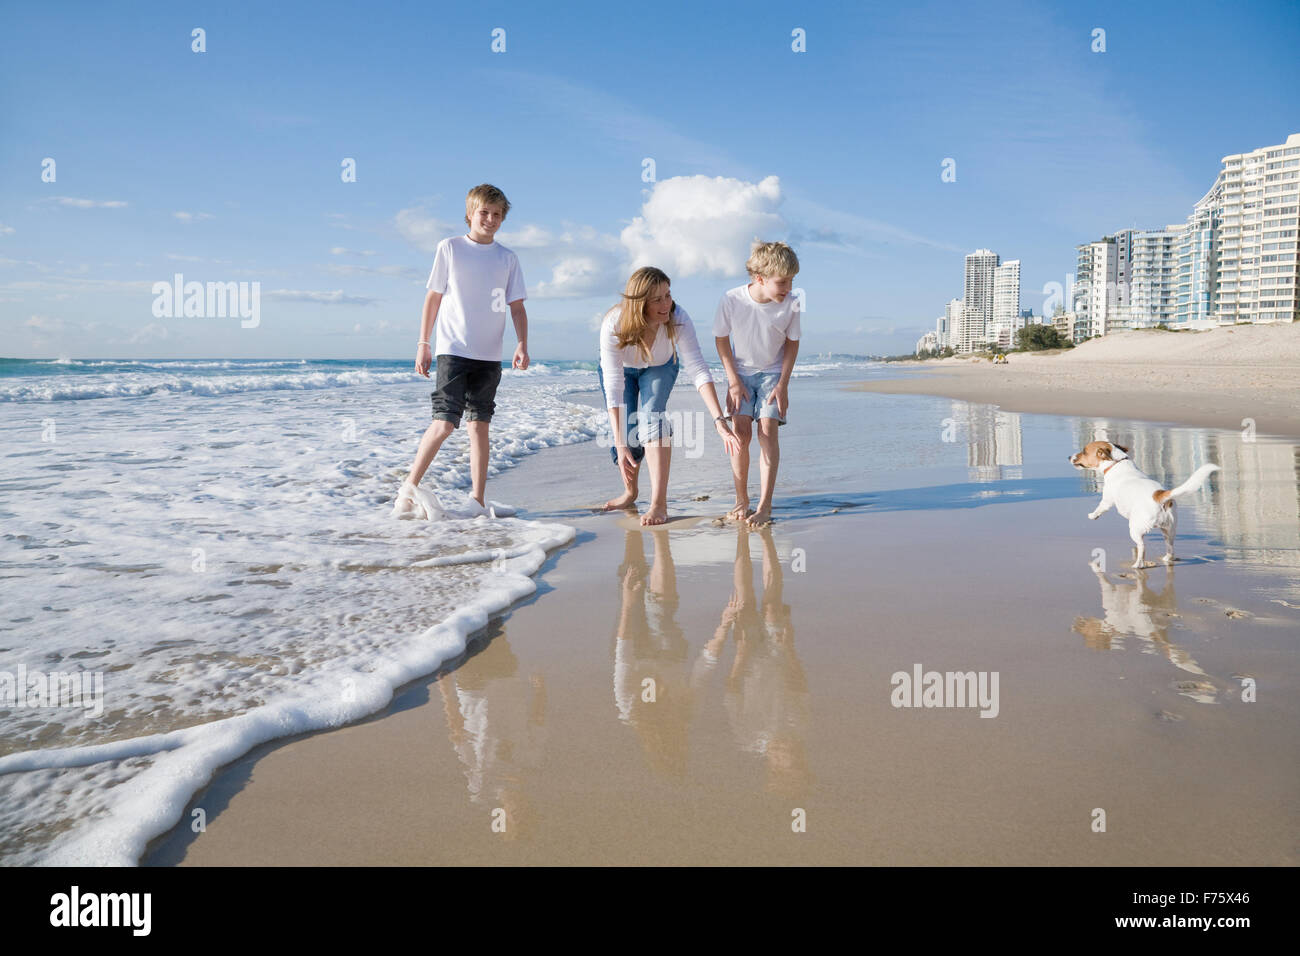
{"x": 644, "y": 340}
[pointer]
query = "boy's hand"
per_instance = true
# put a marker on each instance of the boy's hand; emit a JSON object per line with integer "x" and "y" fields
{"x": 736, "y": 394}
{"x": 520, "y": 360}
{"x": 781, "y": 397}
{"x": 423, "y": 359}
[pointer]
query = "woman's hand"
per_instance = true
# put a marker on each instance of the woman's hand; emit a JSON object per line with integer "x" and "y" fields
{"x": 626, "y": 463}
{"x": 423, "y": 359}
{"x": 729, "y": 439}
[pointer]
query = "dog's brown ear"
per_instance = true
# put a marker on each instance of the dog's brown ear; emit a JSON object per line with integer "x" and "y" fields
{"x": 1103, "y": 452}
{"x": 1120, "y": 447}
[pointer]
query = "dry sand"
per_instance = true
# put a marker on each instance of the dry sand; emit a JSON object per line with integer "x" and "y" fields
{"x": 772, "y": 677}
{"x": 1216, "y": 378}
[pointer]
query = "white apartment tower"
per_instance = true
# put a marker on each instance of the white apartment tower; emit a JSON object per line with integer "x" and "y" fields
{"x": 977, "y": 298}
{"x": 1258, "y": 220}
{"x": 1006, "y": 293}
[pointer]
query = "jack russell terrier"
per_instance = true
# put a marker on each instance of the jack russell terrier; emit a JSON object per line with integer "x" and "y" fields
{"x": 1140, "y": 499}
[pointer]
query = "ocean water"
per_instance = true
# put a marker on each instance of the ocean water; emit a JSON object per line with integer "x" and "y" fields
{"x": 207, "y": 545}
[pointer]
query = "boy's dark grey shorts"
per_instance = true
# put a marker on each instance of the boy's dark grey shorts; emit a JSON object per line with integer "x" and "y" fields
{"x": 465, "y": 386}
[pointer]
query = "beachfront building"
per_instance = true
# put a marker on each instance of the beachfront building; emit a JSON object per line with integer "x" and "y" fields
{"x": 1069, "y": 325}
{"x": 1259, "y": 217}
{"x": 1235, "y": 259}
{"x": 1147, "y": 269}
{"x": 952, "y": 316}
{"x": 1006, "y": 292}
{"x": 928, "y": 343}
{"x": 977, "y": 299}
{"x": 1096, "y": 288}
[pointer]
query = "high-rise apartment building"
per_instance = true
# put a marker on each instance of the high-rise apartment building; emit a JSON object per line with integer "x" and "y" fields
{"x": 977, "y": 298}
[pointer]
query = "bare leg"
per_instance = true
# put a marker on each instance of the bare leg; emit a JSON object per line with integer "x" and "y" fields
{"x": 434, "y": 436}
{"x": 478, "y": 458}
{"x": 743, "y": 427}
{"x": 770, "y": 459}
{"x": 658, "y": 455}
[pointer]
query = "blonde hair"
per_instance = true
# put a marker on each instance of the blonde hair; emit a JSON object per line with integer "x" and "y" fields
{"x": 631, "y": 318}
{"x": 483, "y": 195}
{"x": 772, "y": 260}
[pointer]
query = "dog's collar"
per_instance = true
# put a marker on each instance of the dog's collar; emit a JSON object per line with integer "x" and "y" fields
{"x": 1111, "y": 465}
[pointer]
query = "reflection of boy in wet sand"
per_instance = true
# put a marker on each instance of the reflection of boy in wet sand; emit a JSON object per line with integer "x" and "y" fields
{"x": 650, "y": 686}
{"x": 766, "y": 689}
{"x": 496, "y": 722}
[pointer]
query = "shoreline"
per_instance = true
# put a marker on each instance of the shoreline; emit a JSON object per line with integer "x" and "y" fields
{"x": 1214, "y": 379}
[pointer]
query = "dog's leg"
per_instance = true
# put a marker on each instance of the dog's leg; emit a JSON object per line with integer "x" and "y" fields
{"x": 1140, "y": 549}
{"x": 1169, "y": 527}
{"x": 1102, "y": 507}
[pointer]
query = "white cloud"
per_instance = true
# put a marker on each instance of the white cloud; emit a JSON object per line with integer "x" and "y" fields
{"x": 192, "y": 216}
{"x": 702, "y": 225}
{"x": 44, "y": 323}
{"x": 88, "y": 203}
{"x": 6, "y": 230}
{"x": 396, "y": 272}
{"x": 324, "y": 298}
{"x": 420, "y": 229}
{"x": 149, "y": 333}
{"x": 341, "y": 251}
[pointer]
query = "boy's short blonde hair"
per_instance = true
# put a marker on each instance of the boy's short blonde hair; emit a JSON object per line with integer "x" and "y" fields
{"x": 484, "y": 195}
{"x": 772, "y": 260}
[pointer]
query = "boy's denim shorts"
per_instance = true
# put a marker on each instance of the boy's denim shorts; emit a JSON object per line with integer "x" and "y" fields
{"x": 760, "y": 386}
{"x": 465, "y": 386}
{"x": 645, "y": 400}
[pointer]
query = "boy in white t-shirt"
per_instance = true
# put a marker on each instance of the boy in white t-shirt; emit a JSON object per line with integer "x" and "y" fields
{"x": 473, "y": 282}
{"x": 757, "y": 330}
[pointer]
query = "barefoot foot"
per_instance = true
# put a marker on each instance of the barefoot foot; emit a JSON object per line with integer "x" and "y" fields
{"x": 741, "y": 512}
{"x": 656, "y": 515}
{"x": 626, "y": 500}
{"x": 760, "y": 518}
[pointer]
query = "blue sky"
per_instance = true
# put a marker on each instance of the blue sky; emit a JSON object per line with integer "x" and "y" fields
{"x": 225, "y": 165}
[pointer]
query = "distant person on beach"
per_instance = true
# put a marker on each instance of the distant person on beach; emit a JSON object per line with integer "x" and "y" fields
{"x": 473, "y": 282}
{"x": 757, "y": 332}
{"x": 643, "y": 341}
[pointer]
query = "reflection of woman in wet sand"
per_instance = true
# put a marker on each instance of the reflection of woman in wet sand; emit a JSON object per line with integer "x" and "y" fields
{"x": 650, "y": 685}
{"x": 496, "y": 722}
{"x": 766, "y": 689}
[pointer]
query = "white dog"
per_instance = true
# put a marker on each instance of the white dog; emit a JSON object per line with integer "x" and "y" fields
{"x": 1140, "y": 499}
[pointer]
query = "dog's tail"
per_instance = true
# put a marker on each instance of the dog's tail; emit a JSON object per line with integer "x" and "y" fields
{"x": 1194, "y": 482}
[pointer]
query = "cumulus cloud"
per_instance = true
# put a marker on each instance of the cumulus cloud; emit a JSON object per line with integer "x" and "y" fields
{"x": 702, "y": 225}
{"x": 184, "y": 216}
{"x": 44, "y": 323}
{"x": 420, "y": 229}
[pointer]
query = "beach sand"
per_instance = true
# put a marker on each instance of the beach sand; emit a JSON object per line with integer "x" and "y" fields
{"x": 771, "y": 657}
{"x": 1216, "y": 378}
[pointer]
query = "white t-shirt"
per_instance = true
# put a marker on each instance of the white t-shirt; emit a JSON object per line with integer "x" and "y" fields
{"x": 614, "y": 359}
{"x": 478, "y": 281}
{"x": 758, "y": 330}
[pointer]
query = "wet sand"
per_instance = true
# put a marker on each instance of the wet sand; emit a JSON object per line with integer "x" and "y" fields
{"x": 770, "y": 657}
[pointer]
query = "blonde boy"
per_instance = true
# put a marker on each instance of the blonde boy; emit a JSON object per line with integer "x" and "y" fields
{"x": 472, "y": 283}
{"x": 757, "y": 331}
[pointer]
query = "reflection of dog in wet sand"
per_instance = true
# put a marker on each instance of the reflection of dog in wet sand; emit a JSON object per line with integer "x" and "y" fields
{"x": 1134, "y": 609}
{"x": 1138, "y": 498}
